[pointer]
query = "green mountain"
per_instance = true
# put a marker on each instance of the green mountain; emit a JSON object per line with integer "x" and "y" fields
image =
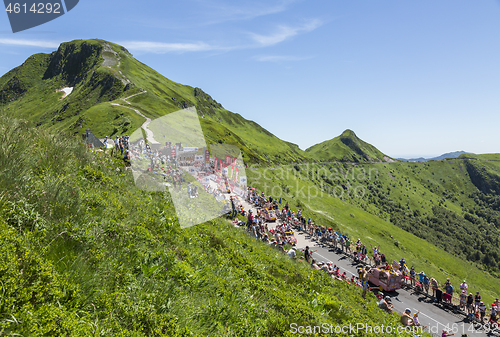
{"x": 107, "y": 84}
{"x": 484, "y": 171}
{"x": 348, "y": 148}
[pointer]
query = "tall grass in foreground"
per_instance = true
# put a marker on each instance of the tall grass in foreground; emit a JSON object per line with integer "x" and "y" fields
{"x": 85, "y": 253}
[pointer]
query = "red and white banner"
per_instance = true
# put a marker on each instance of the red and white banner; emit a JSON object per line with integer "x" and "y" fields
{"x": 228, "y": 159}
{"x": 173, "y": 153}
{"x": 207, "y": 156}
{"x": 216, "y": 163}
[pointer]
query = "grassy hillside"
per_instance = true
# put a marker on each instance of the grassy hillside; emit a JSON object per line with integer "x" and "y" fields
{"x": 86, "y": 253}
{"x": 346, "y": 147}
{"x": 412, "y": 210}
{"x": 102, "y": 73}
{"x": 484, "y": 171}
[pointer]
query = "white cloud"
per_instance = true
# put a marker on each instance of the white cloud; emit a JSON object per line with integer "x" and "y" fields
{"x": 30, "y": 43}
{"x": 285, "y": 32}
{"x": 279, "y": 58}
{"x": 161, "y": 47}
{"x": 243, "y": 10}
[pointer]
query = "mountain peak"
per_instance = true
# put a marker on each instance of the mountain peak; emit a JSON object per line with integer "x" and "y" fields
{"x": 111, "y": 93}
{"x": 347, "y": 147}
{"x": 348, "y": 133}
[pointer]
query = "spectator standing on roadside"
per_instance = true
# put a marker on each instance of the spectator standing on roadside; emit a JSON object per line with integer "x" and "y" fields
{"x": 383, "y": 259}
{"x": 233, "y": 207}
{"x": 477, "y": 300}
{"x": 449, "y": 291}
{"x": 470, "y": 302}
{"x": 347, "y": 245}
{"x": 363, "y": 251}
{"x": 426, "y": 284}
{"x": 412, "y": 276}
{"x": 307, "y": 254}
{"x": 250, "y": 219}
{"x": 421, "y": 276}
{"x": 493, "y": 312}
{"x": 434, "y": 286}
{"x": 365, "y": 276}
{"x": 482, "y": 310}
{"x": 402, "y": 263}
{"x": 463, "y": 300}
{"x": 120, "y": 143}
{"x": 463, "y": 287}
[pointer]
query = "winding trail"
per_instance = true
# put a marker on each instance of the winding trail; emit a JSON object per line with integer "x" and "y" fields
{"x": 111, "y": 62}
{"x": 144, "y": 126}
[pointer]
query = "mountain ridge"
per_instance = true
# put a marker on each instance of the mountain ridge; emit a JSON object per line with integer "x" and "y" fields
{"x": 101, "y": 74}
{"x": 448, "y": 155}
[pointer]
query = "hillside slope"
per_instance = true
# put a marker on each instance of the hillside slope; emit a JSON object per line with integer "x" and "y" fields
{"x": 347, "y": 147}
{"x": 84, "y": 252}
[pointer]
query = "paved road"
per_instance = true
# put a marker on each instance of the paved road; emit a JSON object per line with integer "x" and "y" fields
{"x": 430, "y": 315}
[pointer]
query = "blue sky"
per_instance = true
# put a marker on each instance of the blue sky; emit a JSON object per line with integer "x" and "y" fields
{"x": 413, "y": 78}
